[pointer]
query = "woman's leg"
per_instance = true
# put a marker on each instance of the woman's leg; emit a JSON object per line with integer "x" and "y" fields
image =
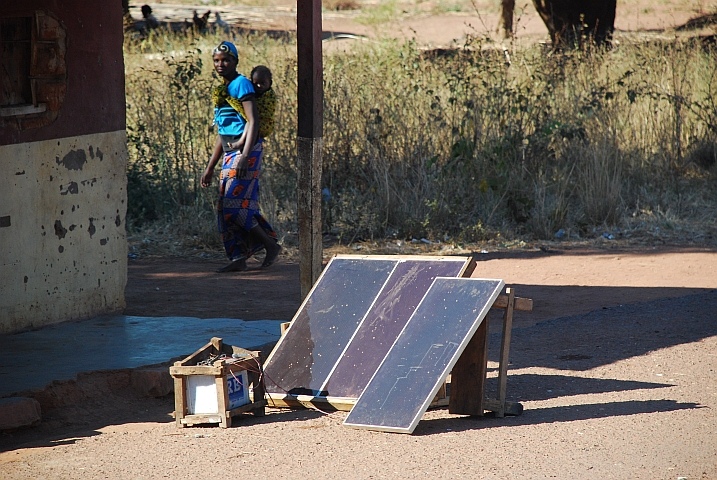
{"x": 227, "y": 216}
{"x": 272, "y": 248}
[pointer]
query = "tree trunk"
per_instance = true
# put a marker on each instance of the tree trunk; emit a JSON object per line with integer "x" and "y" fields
{"x": 572, "y": 22}
{"x": 506, "y": 17}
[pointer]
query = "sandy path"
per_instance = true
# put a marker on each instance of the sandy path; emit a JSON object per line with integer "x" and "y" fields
{"x": 622, "y": 385}
{"x": 648, "y": 416}
{"x": 429, "y": 22}
{"x": 574, "y": 282}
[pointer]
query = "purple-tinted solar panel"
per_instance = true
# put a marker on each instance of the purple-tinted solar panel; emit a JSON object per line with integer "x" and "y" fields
{"x": 403, "y": 291}
{"x": 424, "y": 353}
{"x": 349, "y": 321}
{"x": 325, "y": 323}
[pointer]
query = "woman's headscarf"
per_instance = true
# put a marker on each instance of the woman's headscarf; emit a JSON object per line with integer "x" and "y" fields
{"x": 228, "y": 48}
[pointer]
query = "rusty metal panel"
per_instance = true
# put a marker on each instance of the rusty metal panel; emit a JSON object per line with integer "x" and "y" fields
{"x": 48, "y": 27}
{"x": 51, "y": 92}
{"x": 48, "y": 60}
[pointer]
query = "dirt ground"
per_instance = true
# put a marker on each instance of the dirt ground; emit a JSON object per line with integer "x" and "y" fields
{"x": 616, "y": 367}
{"x": 433, "y": 23}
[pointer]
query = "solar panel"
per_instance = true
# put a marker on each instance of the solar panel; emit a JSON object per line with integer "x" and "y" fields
{"x": 403, "y": 291}
{"x": 349, "y": 320}
{"x": 324, "y": 324}
{"x": 423, "y": 355}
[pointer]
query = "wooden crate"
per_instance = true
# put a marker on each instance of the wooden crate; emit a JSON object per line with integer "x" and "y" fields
{"x": 223, "y": 375}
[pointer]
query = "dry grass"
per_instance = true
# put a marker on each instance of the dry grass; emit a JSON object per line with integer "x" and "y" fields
{"x": 457, "y": 146}
{"x": 340, "y": 5}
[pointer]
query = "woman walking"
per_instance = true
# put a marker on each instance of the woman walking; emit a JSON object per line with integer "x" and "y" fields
{"x": 244, "y": 230}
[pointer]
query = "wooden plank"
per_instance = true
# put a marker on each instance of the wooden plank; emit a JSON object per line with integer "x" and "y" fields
{"x": 510, "y": 408}
{"x": 308, "y": 401}
{"x": 521, "y": 304}
{"x": 490, "y": 404}
{"x": 180, "y": 402}
{"x": 236, "y": 365}
{"x": 441, "y": 398}
{"x": 223, "y": 400}
{"x": 192, "y": 359}
{"x": 436, "y": 258}
{"x": 504, "y": 352}
{"x": 195, "y": 370}
{"x": 468, "y": 269}
{"x": 468, "y": 375}
{"x": 230, "y": 350}
{"x": 284, "y": 327}
{"x": 198, "y": 419}
{"x": 440, "y": 402}
{"x": 441, "y": 392}
{"x": 258, "y": 391}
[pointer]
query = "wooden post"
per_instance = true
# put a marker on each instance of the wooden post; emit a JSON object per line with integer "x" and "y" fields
{"x": 309, "y": 140}
{"x": 180, "y": 400}
{"x": 257, "y": 379}
{"x": 468, "y": 375}
{"x": 504, "y": 352}
{"x": 506, "y": 14}
{"x": 222, "y": 400}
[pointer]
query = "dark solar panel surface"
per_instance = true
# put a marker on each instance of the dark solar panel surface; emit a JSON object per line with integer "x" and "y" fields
{"x": 324, "y": 325}
{"x": 382, "y": 291}
{"x": 403, "y": 291}
{"x": 423, "y": 354}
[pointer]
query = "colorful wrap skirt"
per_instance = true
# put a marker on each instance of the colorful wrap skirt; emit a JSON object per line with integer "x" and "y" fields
{"x": 238, "y": 206}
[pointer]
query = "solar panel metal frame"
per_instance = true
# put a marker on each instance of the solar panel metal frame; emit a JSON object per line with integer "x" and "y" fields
{"x": 449, "y": 366}
{"x": 345, "y": 403}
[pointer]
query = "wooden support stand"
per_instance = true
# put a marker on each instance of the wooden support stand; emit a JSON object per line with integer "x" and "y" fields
{"x": 222, "y": 371}
{"x": 465, "y": 393}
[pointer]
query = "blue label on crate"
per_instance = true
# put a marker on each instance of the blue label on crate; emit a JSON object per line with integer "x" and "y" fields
{"x": 236, "y": 387}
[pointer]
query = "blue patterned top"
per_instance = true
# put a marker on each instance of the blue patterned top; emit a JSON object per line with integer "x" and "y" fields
{"x": 228, "y": 120}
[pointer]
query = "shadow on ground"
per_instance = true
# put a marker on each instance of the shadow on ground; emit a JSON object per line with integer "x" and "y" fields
{"x": 538, "y": 416}
{"x": 610, "y": 334}
{"x": 544, "y": 387}
{"x": 58, "y": 429}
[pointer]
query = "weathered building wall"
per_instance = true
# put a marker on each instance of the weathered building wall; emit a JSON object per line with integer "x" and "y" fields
{"x": 64, "y": 247}
{"x": 63, "y": 250}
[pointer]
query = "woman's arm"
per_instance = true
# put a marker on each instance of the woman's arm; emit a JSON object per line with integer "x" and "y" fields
{"x": 216, "y": 155}
{"x": 251, "y": 129}
{"x": 239, "y": 144}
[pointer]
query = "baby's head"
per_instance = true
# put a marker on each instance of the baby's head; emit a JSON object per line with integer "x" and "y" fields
{"x": 261, "y": 78}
